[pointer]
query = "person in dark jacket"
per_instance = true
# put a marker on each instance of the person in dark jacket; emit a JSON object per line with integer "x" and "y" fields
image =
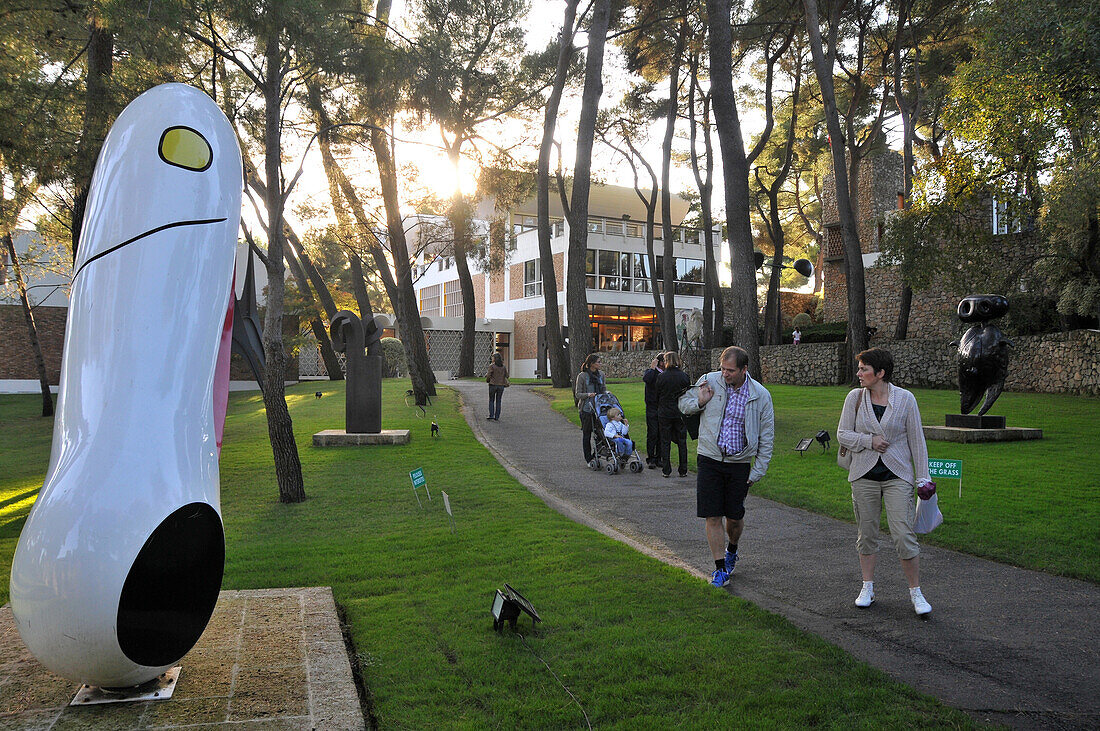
{"x": 589, "y": 383}
{"x": 497, "y": 378}
{"x": 652, "y": 425}
{"x": 670, "y": 385}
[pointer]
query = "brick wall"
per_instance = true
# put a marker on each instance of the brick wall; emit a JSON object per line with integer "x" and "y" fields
{"x": 16, "y": 354}
{"x": 525, "y": 332}
{"x": 17, "y": 357}
{"x": 496, "y": 286}
{"x": 515, "y": 281}
{"x": 479, "y": 294}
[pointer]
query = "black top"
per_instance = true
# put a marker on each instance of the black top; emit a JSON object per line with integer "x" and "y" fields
{"x": 649, "y": 378}
{"x": 880, "y": 472}
{"x": 670, "y": 385}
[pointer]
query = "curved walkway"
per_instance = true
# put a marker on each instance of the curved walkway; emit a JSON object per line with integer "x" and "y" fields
{"x": 1007, "y": 645}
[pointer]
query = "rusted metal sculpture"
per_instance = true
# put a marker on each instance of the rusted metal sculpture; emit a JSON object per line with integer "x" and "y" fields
{"x": 361, "y": 344}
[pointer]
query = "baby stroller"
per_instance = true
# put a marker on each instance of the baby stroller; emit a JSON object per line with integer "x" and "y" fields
{"x": 609, "y": 456}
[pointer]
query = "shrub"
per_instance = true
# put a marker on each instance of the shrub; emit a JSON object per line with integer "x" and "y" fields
{"x": 802, "y": 321}
{"x": 393, "y": 358}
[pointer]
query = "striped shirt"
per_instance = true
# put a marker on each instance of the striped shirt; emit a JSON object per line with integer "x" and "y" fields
{"x": 731, "y": 437}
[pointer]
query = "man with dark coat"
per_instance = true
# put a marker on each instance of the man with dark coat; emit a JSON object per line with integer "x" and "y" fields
{"x": 652, "y": 426}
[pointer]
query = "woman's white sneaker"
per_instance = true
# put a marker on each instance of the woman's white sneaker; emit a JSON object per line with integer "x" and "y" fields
{"x": 920, "y": 604}
{"x": 866, "y": 595}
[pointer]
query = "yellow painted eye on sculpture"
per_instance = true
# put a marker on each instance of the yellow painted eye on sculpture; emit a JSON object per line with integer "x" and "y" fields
{"x": 185, "y": 148}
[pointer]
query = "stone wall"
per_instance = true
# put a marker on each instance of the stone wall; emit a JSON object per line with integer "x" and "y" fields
{"x": 1054, "y": 363}
{"x": 809, "y": 364}
{"x": 16, "y": 354}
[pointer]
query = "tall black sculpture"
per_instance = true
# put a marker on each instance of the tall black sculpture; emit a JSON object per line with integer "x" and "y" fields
{"x": 983, "y": 352}
{"x": 361, "y": 344}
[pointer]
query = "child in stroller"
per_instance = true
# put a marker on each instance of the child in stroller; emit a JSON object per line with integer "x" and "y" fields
{"x": 613, "y": 447}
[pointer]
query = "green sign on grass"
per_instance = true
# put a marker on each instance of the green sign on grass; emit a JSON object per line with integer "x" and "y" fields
{"x": 952, "y": 468}
{"x": 945, "y": 468}
{"x": 418, "y": 480}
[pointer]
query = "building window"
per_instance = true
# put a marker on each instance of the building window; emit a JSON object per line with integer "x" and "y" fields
{"x": 618, "y": 327}
{"x": 532, "y": 278}
{"x": 1003, "y": 220}
{"x": 429, "y": 300}
{"x": 625, "y": 272}
{"x": 452, "y": 299}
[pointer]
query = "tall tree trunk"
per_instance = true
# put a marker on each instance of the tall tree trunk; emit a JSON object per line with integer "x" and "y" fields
{"x": 101, "y": 47}
{"x": 318, "y": 325}
{"x": 32, "y": 330}
{"x": 555, "y": 347}
{"x": 713, "y": 307}
{"x": 668, "y": 323}
{"x": 460, "y": 217}
{"x": 359, "y": 287}
{"x": 909, "y": 110}
{"x": 853, "y": 255}
{"x": 580, "y": 325}
{"x": 735, "y": 174}
{"x": 280, "y": 428}
{"x": 405, "y": 308}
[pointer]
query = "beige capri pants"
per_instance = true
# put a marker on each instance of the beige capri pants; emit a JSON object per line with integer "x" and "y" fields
{"x": 868, "y": 497}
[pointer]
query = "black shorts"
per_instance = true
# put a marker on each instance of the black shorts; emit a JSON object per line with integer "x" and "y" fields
{"x": 720, "y": 488}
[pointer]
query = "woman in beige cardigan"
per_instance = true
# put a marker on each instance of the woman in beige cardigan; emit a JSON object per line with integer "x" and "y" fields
{"x": 881, "y": 426}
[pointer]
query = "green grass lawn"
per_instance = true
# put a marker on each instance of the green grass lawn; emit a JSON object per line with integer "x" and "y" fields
{"x": 640, "y": 644}
{"x": 1034, "y": 504}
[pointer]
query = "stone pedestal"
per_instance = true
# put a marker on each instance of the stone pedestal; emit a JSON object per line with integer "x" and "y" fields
{"x": 975, "y": 436}
{"x": 973, "y": 421}
{"x": 340, "y": 438}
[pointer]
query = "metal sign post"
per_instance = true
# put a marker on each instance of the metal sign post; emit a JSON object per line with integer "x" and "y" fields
{"x": 418, "y": 480}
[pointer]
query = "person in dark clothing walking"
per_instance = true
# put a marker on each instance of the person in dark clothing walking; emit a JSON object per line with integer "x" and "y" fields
{"x": 497, "y": 378}
{"x": 670, "y": 385}
{"x": 652, "y": 425}
{"x": 589, "y": 383}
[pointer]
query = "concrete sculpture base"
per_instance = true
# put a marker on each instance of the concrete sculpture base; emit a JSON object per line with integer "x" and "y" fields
{"x": 340, "y": 438}
{"x": 977, "y": 436}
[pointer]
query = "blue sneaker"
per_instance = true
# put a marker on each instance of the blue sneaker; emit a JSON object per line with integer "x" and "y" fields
{"x": 731, "y": 560}
{"x": 719, "y": 578}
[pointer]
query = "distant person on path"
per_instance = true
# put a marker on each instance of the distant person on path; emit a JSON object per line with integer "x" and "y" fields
{"x": 736, "y": 431}
{"x": 881, "y": 425}
{"x": 497, "y": 378}
{"x": 670, "y": 385}
{"x": 589, "y": 383}
{"x": 796, "y": 336}
{"x": 617, "y": 430}
{"x": 652, "y": 425}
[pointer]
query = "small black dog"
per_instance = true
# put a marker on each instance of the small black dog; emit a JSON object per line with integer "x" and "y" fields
{"x": 435, "y": 429}
{"x": 317, "y": 394}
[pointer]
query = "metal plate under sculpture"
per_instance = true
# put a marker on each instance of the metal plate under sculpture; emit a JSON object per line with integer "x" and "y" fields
{"x": 983, "y": 352}
{"x": 119, "y": 565}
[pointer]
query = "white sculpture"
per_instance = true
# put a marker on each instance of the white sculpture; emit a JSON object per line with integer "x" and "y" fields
{"x": 120, "y": 562}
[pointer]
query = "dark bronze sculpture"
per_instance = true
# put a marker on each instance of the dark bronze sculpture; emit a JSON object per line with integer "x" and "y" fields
{"x": 361, "y": 345}
{"x": 983, "y": 352}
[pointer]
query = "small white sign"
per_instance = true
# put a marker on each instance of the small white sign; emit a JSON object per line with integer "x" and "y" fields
{"x": 447, "y": 507}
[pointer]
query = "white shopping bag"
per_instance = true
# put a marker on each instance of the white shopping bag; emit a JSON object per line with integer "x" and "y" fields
{"x": 928, "y": 515}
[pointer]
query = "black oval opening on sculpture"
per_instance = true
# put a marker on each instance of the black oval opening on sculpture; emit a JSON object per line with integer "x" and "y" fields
{"x": 171, "y": 589}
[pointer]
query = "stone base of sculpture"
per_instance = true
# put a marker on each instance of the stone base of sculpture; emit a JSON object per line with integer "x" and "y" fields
{"x": 973, "y": 421}
{"x": 341, "y": 438}
{"x": 979, "y": 436}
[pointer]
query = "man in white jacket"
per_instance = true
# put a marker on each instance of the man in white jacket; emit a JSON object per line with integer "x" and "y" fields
{"x": 736, "y": 435}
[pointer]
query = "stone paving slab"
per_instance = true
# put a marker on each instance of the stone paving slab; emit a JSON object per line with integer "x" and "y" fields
{"x": 270, "y": 659}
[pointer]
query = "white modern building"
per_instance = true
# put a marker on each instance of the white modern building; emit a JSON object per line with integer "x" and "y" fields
{"x": 508, "y": 301}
